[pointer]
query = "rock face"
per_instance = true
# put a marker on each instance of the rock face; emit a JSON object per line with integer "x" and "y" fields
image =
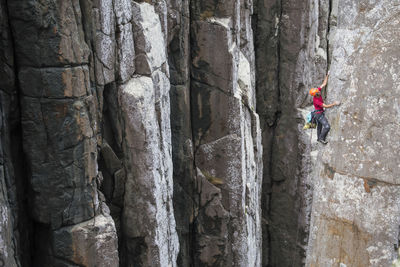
{"x": 169, "y": 133}
{"x": 356, "y": 202}
{"x": 94, "y": 81}
{"x": 8, "y": 105}
{"x": 151, "y": 238}
{"x": 59, "y": 129}
{"x": 185, "y": 200}
{"x": 227, "y": 137}
{"x": 291, "y": 54}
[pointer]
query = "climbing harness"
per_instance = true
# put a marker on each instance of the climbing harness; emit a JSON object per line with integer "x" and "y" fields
{"x": 310, "y": 121}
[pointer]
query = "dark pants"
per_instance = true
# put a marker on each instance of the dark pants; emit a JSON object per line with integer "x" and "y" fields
{"x": 323, "y": 126}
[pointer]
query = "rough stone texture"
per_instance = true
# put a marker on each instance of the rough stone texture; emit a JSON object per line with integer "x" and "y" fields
{"x": 61, "y": 41}
{"x": 7, "y": 85}
{"x": 129, "y": 133}
{"x": 227, "y": 139}
{"x": 104, "y": 44}
{"x": 211, "y": 224}
{"x": 126, "y": 51}
{"x": 14, "y": 221}
{"x": 151, "y": 238}
{"x": 90, "y": 243}
{"x": 355, "y": 218}
{"x": 291, "y": 56}
{"x": 8, "y": 212}
{"x": 58, "y": 120}
{"x": 149, "y": 45}
{"x": 80, "y": 66}
{"x": 7, "y": 254}
{"x": 185, "y": 199}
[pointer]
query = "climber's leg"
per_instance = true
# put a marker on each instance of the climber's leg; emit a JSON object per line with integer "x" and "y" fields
{"x": 325, "y": 127}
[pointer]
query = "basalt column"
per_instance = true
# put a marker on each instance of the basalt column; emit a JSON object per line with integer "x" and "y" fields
{"x": 185, "y": 199}
{"x": 226, "y": 135}
{"x": 10, "y": 249}
{"x": 148, "y": 223}
{"x": 71, "y": 225}
{"x": 291, "y": 56}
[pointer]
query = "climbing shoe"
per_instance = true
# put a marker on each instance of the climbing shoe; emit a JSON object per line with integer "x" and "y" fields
{"x": 322, "y": 141}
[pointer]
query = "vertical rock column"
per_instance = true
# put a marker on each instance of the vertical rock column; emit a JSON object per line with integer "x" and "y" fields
{"x": 226, "y": 136}
{"x": 246, "y": 83}
{"x": 8, "y": 240}
{"x": 356, "y": 206}
{"x": 291, "y": 57}
{"x": 59, "y": 139}
{"x": 185, "y": 199}
{"x": 267, "y": 68}
{"x": 148, "y": 218}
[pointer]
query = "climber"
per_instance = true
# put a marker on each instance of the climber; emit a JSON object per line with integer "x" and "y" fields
{"x": 323, "y": 124}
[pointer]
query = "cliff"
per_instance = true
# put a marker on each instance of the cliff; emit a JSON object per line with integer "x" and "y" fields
{"x": 355, "y": 217}
{"x": 170, "y": 133}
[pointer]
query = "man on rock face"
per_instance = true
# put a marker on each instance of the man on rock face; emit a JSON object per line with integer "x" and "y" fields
{"x": 323, "y": 124}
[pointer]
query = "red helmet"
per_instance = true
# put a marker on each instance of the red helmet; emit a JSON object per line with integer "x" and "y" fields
{"x": 314, "y": 91}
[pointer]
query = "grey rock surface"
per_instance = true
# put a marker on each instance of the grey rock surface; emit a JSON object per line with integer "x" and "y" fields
{"x": 61, "y": 42}
{"x": 291, "y": 56}
{"x": 169, "y": 133}
{"x": 185, "y": 199}
{"x": 151, "y": 238}
{"x": 8, "y": 251}
{"x": 58, "y": 124}
{"x": 355, "y": 214}
{"x": 90, "y": 243}
{"x": 227, "y": 140}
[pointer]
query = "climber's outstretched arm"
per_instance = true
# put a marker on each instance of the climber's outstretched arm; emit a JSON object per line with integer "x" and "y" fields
{"x": 325, "y": 81}
{"x": 336, "y": 103}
